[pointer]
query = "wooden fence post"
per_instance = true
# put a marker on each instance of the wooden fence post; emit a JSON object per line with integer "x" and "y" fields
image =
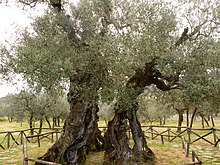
{"x": 214, "y": 135}
{"x": 8, "y": 142}
{"x": 183, "y": 142}
{"x": 22, "y": 134}
{"x": 193, "y": 156}
{"x": 32, "y": 133}
{"x": 38, "y": 140}
{"x": 52, "y": 138}
{"x": 25, "y": 156}
{"x": 188, "y": 142}
{"x": 152, "y": 135}
{"x": 168, "y": 131}
{"x": 56, "y": 134}
{"x": 162, "y": 139}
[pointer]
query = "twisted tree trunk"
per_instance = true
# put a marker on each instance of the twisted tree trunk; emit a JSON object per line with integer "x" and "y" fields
{"x": 117, "y": 145}
{"x": 141, "y": 152}
{"x": 81, "y": 124}
{"x": 117, "y": 149}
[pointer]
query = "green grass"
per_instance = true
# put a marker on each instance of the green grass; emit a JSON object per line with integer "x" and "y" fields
{"x": 14, "y": 156}
{"x": 6, "y": 126}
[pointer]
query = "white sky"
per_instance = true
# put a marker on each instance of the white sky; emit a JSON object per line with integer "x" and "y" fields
{"x": 13, "y": 19}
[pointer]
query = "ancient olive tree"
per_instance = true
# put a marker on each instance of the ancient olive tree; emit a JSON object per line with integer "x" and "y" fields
{"x": 107, "y": 46}
{"x": 168, "y": 63}
{"x": 70, "y": 49}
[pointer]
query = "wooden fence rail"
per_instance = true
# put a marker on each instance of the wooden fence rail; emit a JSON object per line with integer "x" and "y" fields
{"x": 11, "y": 138}
{"x": 26, "y": 159}
{"x": 192, "y": 135}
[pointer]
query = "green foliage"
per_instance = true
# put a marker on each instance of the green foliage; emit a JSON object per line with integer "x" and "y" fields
{"x": 110, "y": 39}
{"x": 51, "y": 53}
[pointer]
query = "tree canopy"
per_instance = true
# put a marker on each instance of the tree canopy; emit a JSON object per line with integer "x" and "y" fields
{"x": 135, "y": 33}
{"x": 112, "y": 50}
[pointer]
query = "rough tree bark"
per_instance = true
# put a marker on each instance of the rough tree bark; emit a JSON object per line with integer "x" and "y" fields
{"x": 141, "y": 152}
{"x": 80, "y": 130}
{"x": 80, "y": 125}
{"x": 117, "y": 149}
{"x": 81, "y": 122}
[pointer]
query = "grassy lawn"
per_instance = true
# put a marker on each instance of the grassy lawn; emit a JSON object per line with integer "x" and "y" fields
{"x": 14, "y": 155}
{"x": 170, "y": 153}
{"x": 6, "y": 126}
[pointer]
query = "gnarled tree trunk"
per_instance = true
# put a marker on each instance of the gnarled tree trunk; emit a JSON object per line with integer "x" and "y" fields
{"x": 117, "y": 145}
{"x": 141, "y": 152}
{"x": 117, "y": 149}
{"x": 81, "y": 124}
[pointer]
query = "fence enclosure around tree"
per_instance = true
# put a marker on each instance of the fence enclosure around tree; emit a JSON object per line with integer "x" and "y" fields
{"x": 187, "y": 136}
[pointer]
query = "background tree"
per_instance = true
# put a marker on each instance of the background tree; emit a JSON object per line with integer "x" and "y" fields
{"x": 153, "y": 106}
{"x": 7, "y": 108}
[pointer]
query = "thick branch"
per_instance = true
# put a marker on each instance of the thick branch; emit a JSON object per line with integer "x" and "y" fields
{"x": 31, "y": 4}
{"x": 185, "y": 36}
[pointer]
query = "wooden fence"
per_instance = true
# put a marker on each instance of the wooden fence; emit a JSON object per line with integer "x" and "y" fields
{"x": 26, "y": 159}
{"x": 190, "y": 135}
{"x": 187, "y": 136}
{"x": 195, "y": 158}
{"x": 11, "y": 138}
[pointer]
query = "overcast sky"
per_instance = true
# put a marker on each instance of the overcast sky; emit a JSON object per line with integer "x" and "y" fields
{"x": 13, "y": 19}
